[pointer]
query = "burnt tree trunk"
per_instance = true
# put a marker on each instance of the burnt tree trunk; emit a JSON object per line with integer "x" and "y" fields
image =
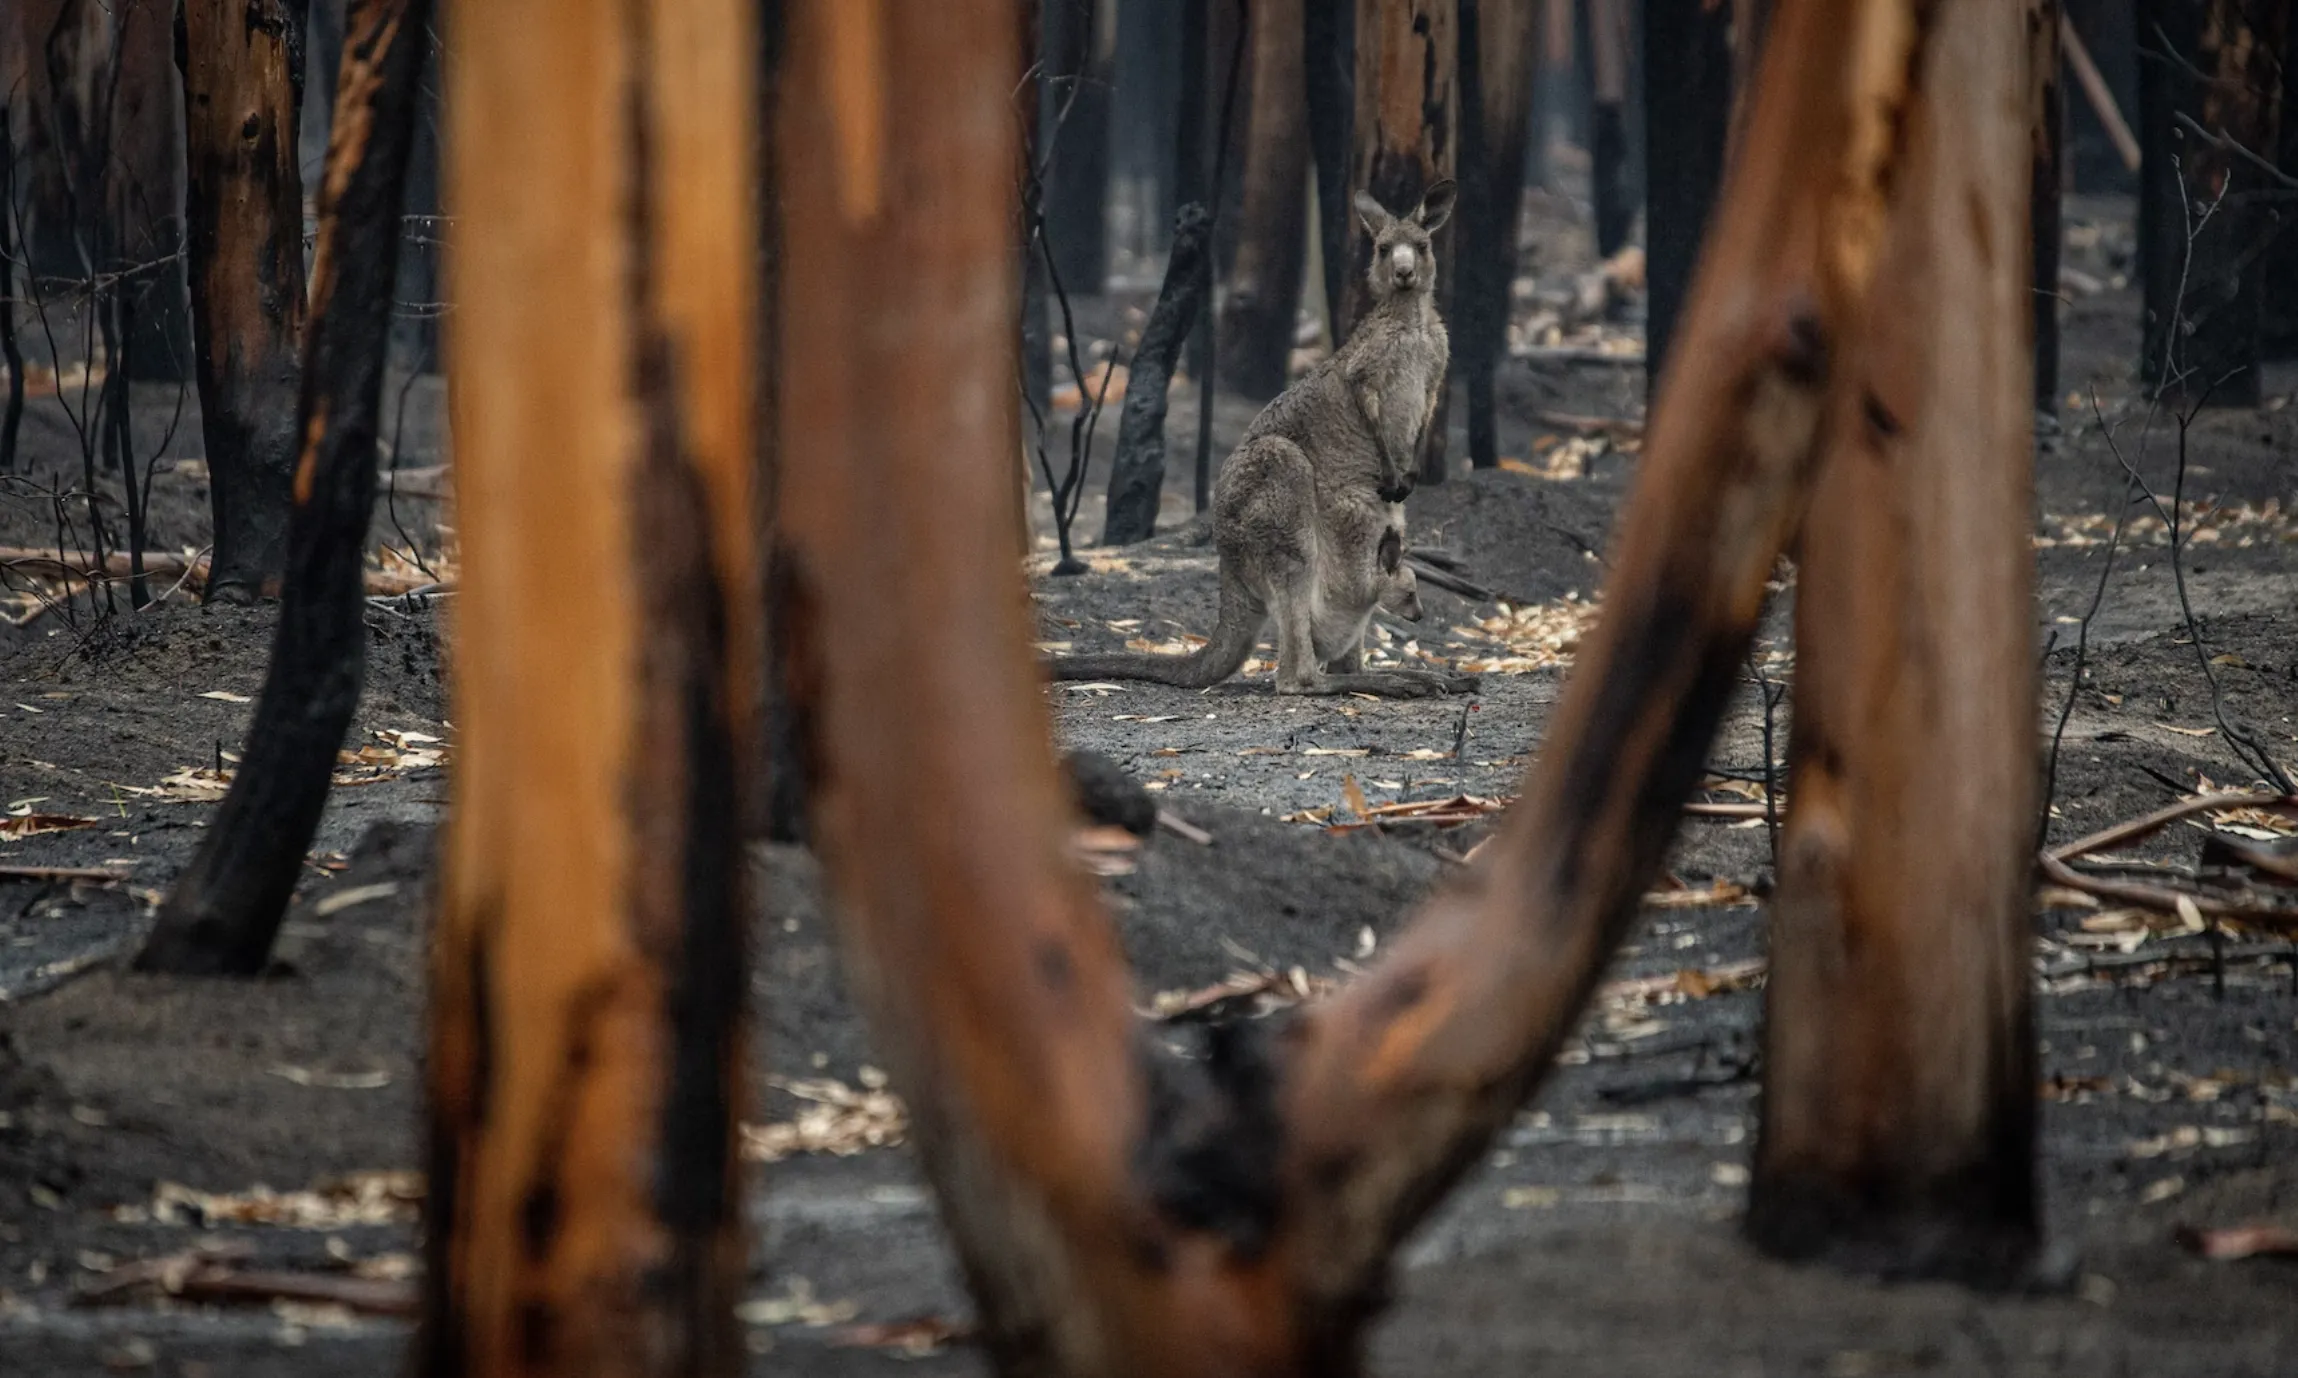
{"x": 1687, "y": 115}
{"x": 1405, "y": 141}
{"x": 1079, "y": 64}
{"x": 588, "y": 976}
{"x": 242, "y": 66}
{"x": 2199, "y": 234}
{"x": 145, "y": 191}
{"x": 778, "y": 805}
{"x": 225, "y": 909}
{"x": 2048, "y": 133}
{"x": 2278, "y": 331}
{"x": 1899, "y": 1073}
{"x": 1137, "y": 465}
{"x": 1272, "y": 238}
{"x": 11, "y": 354}
{"x": 1328, "y": 62}
{"x": 1500, "y": 52}
{"x": 1613, "y": 192}
{"x": 1036, "y": 291}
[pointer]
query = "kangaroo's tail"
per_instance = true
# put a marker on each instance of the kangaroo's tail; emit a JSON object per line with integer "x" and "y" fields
{"x": 1216, "y": 660}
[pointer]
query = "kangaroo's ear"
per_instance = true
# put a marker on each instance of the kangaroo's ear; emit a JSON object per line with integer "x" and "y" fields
{"x": 1436, "y": 205}
{"x": 1375, "y": 216}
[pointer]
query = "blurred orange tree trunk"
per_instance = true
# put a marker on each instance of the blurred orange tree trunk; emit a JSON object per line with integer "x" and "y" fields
{"x": 1899, "y": 1091}
{"x": 588, "y": 979}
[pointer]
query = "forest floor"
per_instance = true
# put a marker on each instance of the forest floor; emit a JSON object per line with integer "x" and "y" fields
{"x": 155, "y": 1129}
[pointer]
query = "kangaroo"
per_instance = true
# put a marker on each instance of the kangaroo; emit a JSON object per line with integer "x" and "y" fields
{"x": 1308, "y": 512}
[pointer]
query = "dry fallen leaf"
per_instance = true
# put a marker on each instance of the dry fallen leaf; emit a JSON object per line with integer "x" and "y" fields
{"x": 1354, "y": 795}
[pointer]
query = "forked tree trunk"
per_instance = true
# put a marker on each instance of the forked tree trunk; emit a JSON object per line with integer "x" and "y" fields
{"x": 588, "y": 975}
{"x": 1495, "y": 121}
{"x": 1899, "y": 1072}
{"x": 2203, "y": 277}
{"x": 1687, "y": 114}
{"x": 1119, "y": 1213}
{"x": 1272, "y": 240}
{"x": 1406, "y": 140}
{"x": 225, "y": 909}
{"x": 242, "y": 65}
{"x": 2048, "y": 118}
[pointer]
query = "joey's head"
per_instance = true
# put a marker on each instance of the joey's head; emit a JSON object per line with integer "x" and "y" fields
{"x": 1403, "y": 253}
{"x": 1401, "y": 594}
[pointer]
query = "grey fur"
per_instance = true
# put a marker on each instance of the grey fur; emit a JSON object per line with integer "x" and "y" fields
{"x": 1308, "y": 512}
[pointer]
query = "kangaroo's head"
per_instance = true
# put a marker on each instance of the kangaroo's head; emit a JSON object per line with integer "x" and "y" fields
{"x": 1401, "y": 596}
{"x": 1403, "y": 256}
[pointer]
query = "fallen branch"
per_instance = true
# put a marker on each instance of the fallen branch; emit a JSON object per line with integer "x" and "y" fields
{"x": 2146, "y": 825}
{"x": 60, "y": 873}
{"x": 2165, "y": 899}
{"x": 1610, "y": 425}
{"x": 1183, "y": 828}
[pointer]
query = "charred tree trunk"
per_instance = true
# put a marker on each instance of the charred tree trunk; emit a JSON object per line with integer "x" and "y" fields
{"x": 2048, "y": 114}
{"x": 11, "y": 354}
{"x": 1405, "y": 141}
{"x": 2199, "y": 236}
{"x": 1036, "y": 296}
{"x": 1899, "y": 1092}
{"x": 1137, "y": 466}
{"x": 1328, "y": 52}
{"x": 145, "y": 192}
{"x": 779, "y": 804}
{"x": 588, "y": 970}
{"x": 242, "y": 64}
{"x": 1613, "y": 193}
{"x": 1500, "y": 51}
{"x": 2278, "y": 331}
{"x": 1272, "y": 241}
{"x": 1687, "y": 114}
{"x": 1079, "y": 64}
{"x": 422, "y": 242}
{"x": 226, "y": 907}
